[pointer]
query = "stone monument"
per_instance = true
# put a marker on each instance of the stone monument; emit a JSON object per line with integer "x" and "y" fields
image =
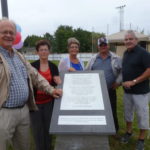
{"x": 82, "y": 119}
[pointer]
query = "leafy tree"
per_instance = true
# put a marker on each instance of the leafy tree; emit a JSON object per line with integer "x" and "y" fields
{"x": 51, "y": 39}
{"x": 87, "y": 39}
{"x": 31, "y": 40}
{"x": 61, "y": 36}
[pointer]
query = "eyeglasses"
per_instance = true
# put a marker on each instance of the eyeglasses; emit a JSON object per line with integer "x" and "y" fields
{"x": 76, "y": 47}
{"x": 129, "y": 39}
{"x": 8, "y": 32}
{"x": 43, "y": 50}
{"x": 103, "y": 45}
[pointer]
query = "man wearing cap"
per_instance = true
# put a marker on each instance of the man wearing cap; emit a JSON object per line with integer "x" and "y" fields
{"x": 110, "y": 63}
{"x": 17, "y": 78}
{"x": 136, "y": 73}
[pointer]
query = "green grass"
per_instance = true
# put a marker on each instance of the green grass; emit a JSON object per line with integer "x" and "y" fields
{"x": 114, "y": 143}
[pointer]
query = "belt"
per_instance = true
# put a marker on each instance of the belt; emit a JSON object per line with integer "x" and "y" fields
{"x": 16, "y": 107}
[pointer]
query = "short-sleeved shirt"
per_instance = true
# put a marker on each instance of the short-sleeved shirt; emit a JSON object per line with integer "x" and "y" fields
{"x": 105, "y": 65}
{"x": 134, "y": 64}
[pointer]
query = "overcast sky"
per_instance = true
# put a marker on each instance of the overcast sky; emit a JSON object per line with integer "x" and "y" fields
{"x": 41, "y": 16}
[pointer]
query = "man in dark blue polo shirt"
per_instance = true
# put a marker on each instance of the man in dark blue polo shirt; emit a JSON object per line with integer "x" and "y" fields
{"x": 136, "y": 73}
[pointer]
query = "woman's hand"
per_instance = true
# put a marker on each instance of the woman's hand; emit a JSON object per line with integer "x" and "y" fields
{"x": 71, "y": 69}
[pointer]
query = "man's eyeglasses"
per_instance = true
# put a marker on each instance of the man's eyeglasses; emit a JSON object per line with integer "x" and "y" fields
{"x": 8, "y": 32}
{"x": 103, "y": 45}
{"x": 129, "y": 39}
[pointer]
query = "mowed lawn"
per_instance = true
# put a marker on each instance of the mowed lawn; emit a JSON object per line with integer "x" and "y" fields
{"x": 114, "y": 141}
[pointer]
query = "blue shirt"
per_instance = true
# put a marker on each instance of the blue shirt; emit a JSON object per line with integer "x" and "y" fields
{"x": 76, "y": 66}
{"x": 105, "y": 65}
{"x": 18, "y": 88}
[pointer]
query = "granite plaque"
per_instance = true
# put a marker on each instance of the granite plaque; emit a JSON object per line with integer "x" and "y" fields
{"x": 82, "y": 92}
{"x": 84, "y": 107}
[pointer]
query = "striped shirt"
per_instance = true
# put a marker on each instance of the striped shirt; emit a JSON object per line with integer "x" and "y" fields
{"x": 18, "y": 88}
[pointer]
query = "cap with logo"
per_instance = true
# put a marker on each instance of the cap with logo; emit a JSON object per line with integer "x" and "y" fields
{"x": 101, "y": 41}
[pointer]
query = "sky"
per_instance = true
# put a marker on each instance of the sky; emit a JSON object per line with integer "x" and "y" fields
{"x": 40, "y": 16}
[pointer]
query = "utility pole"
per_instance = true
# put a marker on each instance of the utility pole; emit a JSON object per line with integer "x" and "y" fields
{"x": 121, "y": 11}
{"x": 107, "y": 29}
{"x": 4, "y": 7}
{"x": 92, "y": 40}
{"x": 130, "y": 26}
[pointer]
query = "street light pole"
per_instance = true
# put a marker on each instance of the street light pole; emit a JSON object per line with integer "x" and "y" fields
{"x": 4, "y": 7}
{"x": 92, "y": 40}
{"x": 121, "y": 8}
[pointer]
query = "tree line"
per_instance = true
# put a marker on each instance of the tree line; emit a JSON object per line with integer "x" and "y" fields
{"x": 87, "y": 39}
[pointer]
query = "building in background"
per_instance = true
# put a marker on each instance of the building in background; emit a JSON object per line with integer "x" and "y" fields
{"x": 116, "y": 41}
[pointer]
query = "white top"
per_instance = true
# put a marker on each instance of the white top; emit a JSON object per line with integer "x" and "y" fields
{"x": 65, "y": 64}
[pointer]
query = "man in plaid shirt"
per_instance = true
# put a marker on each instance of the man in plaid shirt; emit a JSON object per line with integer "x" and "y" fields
{"x": 17, "y": 78}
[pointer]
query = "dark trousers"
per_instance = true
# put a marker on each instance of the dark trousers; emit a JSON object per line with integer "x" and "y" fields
{"x": 40, "y": 123}
{"x": 113, "y": 102}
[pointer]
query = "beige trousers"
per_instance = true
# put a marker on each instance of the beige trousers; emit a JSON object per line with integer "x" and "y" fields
{"x": 14, "y": 128}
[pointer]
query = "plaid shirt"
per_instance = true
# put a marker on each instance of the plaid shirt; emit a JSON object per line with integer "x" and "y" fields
{"x": 18, "y": 89}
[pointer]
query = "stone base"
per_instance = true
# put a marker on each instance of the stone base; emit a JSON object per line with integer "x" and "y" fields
{"x": 81, "y": 142}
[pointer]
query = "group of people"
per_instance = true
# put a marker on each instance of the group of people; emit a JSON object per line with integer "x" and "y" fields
{"x": 28, "y": 90}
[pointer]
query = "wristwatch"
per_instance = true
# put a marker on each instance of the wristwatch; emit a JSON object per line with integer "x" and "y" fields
{"x": 135, "y": 81}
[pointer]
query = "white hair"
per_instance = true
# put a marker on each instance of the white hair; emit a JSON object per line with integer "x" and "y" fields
{"x": 132, "y": 33}
{"x": 11, "y": 21}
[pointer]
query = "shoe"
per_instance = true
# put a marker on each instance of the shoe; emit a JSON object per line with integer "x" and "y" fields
{"x": 125, "y": 139}
{"x": 140, "y": 145}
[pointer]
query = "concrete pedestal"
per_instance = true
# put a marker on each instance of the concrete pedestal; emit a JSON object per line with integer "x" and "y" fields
{"x": 81, "y": 142}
